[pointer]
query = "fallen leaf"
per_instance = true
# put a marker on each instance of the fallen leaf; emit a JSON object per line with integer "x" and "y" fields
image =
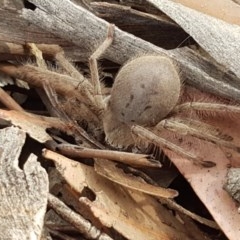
{"x": 208, "y": 182}
{"x": 110, "y": 171}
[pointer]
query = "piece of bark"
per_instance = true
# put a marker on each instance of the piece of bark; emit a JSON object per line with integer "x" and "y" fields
{"x": 12, "y": 4}
{"x": 198, "y": 73}
{"x": 88, "y": 31}
{"x": 210, "y": 33}
{"x": 142, "y": 5}
{"x": 232, "y": 185}
{"x": 23, "y": 191}
{"x": 15, "y": 29}
{"x": 117, "y": 175}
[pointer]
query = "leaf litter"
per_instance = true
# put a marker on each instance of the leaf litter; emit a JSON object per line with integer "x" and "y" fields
{"x": 125, "y": 205}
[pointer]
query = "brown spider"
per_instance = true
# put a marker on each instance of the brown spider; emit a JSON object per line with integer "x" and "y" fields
{"x": 144, "y": 99}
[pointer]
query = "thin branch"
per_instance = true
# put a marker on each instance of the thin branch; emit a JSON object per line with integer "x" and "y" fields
{"x": 173, "y": 205}
{"x": 124, "y": 157}
{"x": 83, "y": 225}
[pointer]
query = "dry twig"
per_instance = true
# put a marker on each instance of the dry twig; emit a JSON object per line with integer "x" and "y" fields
{"x": 124, "y": 157}
{"x": 83, "y": 225}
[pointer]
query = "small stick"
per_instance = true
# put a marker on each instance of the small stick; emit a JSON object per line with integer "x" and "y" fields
{"x": 134, "y": 159}
{"x": 17, "y": 49}
{"x": 173, "y": 205}
{"x": 9, "y": 102}
{"x": 80, "y": 223}
{"x": 153, "y": 138}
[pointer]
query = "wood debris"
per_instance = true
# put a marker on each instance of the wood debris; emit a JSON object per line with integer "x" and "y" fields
{"x": 55, "y": 104}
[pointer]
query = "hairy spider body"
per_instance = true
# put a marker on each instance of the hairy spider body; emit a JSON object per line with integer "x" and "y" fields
{"x": 145, "y": 90}
{"x": 145, "y": 100}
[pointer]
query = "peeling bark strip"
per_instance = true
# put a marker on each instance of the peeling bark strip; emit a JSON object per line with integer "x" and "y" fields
{"x": 77, "y": 25}
{"x": 23, "y": 192}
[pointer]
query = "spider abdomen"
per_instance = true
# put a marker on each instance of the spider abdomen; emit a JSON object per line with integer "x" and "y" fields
{"x": 145, "y": 90}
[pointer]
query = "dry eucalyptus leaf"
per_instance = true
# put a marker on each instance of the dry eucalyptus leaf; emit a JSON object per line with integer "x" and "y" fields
{"x": 133, "y": 214}
{"x": 34, "y": 125}
{"x": 226, "y": 10}
{"x": 110, "y": 171}
{"x": 23, "y": 192}
{"x": 218, "y": 38}
{"x": 208, "y": 183}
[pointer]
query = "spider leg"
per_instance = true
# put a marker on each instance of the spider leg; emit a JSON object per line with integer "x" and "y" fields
{"x": 94, "y": 67}
{"x": 74, "y": 73}
{"x": 198, "y": 129}
{"x": 203, "y": 106}
{"x": 51, "y": 96}
{"x": 43, "y": 93}
{"x": 86, "y": 86}
{"x": 161, "y": 142}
